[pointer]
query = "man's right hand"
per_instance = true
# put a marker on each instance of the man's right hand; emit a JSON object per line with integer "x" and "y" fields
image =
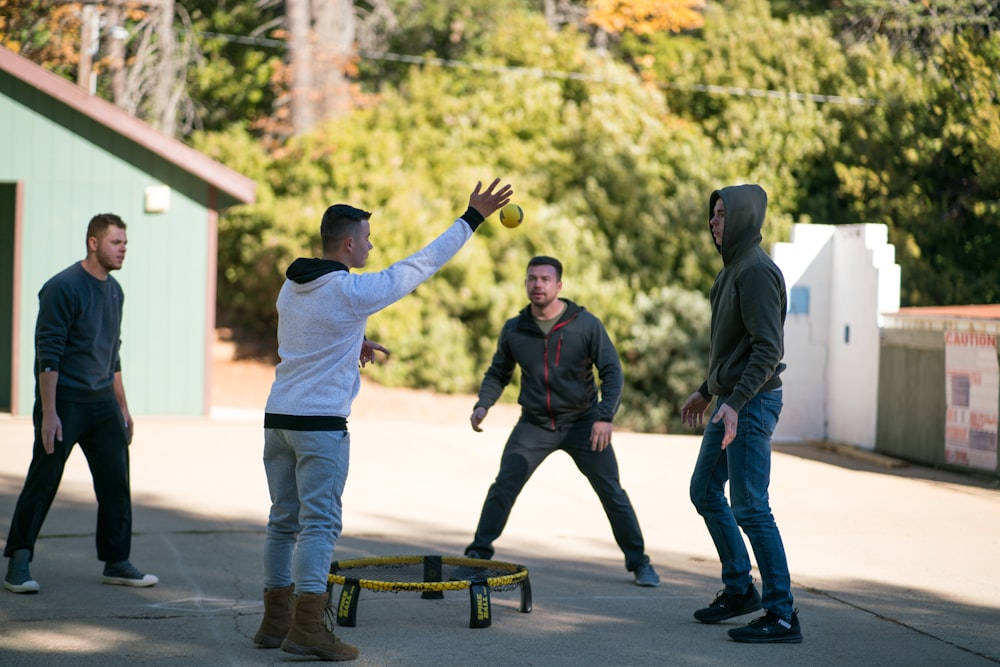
{"x": 487, "y": 201}
{"x": 478, "y": 415}
{"x": 693, "y": 409}
{"x": 51, "y": 431}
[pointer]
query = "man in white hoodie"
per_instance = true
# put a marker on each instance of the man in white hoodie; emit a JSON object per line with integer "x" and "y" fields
{"x": 322, "y": 312}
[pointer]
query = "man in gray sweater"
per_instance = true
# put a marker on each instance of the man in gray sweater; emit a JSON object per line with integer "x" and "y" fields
{"x": 322, "y": 312}
{"x": 80, "y": 398}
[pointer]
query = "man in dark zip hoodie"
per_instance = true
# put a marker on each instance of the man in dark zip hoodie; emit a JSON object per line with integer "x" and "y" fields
{"x": 747, "y": 343}
{"x": 557, "y": 344}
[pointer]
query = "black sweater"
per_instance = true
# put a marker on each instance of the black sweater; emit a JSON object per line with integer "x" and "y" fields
{"x": 78, "y": 333}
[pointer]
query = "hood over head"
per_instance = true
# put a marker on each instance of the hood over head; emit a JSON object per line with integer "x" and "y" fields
{"x": 745, "y": 208}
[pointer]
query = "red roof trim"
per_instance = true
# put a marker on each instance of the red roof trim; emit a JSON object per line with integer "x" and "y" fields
{"x": 194, "y": 162}
{"x": 973, "y": 312}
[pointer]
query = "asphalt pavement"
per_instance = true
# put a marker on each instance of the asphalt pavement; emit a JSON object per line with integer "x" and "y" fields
{"x": 891, "y": 564}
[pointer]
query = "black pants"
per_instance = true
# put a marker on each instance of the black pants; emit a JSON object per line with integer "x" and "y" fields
{"x": 526, "y": 448}
{"x": 100, "y": 430}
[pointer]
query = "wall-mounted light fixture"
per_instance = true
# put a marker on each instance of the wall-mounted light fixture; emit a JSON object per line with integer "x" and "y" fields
{"x": 157, "y": 199}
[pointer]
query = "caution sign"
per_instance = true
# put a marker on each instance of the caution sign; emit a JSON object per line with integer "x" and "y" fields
{"x": 972, "y": 391}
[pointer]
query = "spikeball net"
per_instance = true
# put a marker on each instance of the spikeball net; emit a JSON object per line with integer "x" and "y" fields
{"x": 430, "y": 575}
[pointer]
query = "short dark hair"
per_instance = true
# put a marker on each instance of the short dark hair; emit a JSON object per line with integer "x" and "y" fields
{"x": 544, "y": 260}
{"x": 100, "y": 223}
{"x": 339, "y": 222}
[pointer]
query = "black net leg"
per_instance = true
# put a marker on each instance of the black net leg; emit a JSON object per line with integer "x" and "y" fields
{"x": 526, "y": 595}
{"x": 432, "y": 572}
{"x": 480, "y": 612}
{"x": 347, "y": 608}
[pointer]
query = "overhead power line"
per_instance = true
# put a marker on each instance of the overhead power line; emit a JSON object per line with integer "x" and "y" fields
{"x": 735, "y": 91}
{"x": 594, "y": 78}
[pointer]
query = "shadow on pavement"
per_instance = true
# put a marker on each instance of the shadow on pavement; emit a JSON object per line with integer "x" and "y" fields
{"x": 208, "y": 606}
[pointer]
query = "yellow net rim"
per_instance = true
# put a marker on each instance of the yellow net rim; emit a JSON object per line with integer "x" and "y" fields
{"x": 518, "y": 573}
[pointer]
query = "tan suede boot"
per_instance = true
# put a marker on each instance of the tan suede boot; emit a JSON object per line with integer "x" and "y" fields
{"x": 309, "y": 634}
{"x": 277, "y": 617}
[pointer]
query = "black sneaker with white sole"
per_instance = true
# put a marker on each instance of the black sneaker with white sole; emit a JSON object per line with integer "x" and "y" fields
{"x": 726, "y": 605}
{"x": 769, "y": 629}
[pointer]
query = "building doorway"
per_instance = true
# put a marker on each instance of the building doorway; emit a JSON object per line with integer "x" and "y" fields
{"x": 8, "y": 221}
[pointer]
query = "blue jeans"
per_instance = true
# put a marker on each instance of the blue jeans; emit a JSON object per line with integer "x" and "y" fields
{"x": 526, "y": 448}
{"x": 306, "y": 472}
{"x": 746, "y": 464}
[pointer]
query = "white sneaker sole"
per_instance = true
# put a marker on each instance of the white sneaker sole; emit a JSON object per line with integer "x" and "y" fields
{"x": 146, "y": 581}
{"x": 30, "y": 586}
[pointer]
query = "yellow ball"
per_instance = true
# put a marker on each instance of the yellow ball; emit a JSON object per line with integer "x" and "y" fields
{"x": 511, "y": 215}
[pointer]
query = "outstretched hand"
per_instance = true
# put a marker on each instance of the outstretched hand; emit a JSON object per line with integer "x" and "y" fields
{"x": 487, "y": 201}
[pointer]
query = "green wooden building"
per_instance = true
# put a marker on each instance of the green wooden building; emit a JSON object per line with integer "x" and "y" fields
{"x": 65, "y": 156}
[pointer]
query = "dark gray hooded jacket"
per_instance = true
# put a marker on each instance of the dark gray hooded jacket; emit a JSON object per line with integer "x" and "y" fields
{"x": 748, "y": 304}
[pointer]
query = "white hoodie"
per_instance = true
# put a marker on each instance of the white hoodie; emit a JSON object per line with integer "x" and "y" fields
{"x": 321, "y": 326}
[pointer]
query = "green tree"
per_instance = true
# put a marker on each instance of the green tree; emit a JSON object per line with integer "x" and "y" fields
{"x": 924, "y": 163}
{"x": 884, "y": 116}
{"x": 912, "y": 27}
{"x": 665, "y": 357}
{"x": 241, "y": 75}
{"x": 600, "y": 171}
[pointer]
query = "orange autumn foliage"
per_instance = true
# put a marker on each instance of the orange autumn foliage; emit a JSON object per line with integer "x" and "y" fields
{"x": 645, "y": 17}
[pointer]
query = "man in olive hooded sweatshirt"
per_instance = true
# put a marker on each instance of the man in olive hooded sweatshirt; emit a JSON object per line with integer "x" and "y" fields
{"x": 748, "y": 316}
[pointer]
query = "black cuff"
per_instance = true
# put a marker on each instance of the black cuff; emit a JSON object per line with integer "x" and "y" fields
{"x": 473, "y": 218}
{"x": 703, "y": 390}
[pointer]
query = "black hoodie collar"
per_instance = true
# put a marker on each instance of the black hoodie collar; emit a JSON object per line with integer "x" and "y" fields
{"x": 304, "y": 270}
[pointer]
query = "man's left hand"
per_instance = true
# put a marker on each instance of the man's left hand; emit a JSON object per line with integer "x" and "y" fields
{"x": 730, "y": 418}
{"x": 129, "y": 424}
{"x": 368, "y": 348}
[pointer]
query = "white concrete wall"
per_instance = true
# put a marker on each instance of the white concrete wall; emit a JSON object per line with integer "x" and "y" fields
{"x": 832, "y": 351}
{"x": 807, "y": 263}
{"x": 863, "y": 264}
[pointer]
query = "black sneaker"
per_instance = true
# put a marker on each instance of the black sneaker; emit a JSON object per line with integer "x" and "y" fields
{"x": 727, "y": 605}
{"x": 769, "y": 629}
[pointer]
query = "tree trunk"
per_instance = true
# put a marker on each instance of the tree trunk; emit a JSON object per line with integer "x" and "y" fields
{"x": 335, "y": 47}
{"x": 164, "y": 100}
{"x": 300, "y": 53}
{"x": 89, "y": 26}
{"x": 116, "y": 52}
{"x": 550, "y": 14}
